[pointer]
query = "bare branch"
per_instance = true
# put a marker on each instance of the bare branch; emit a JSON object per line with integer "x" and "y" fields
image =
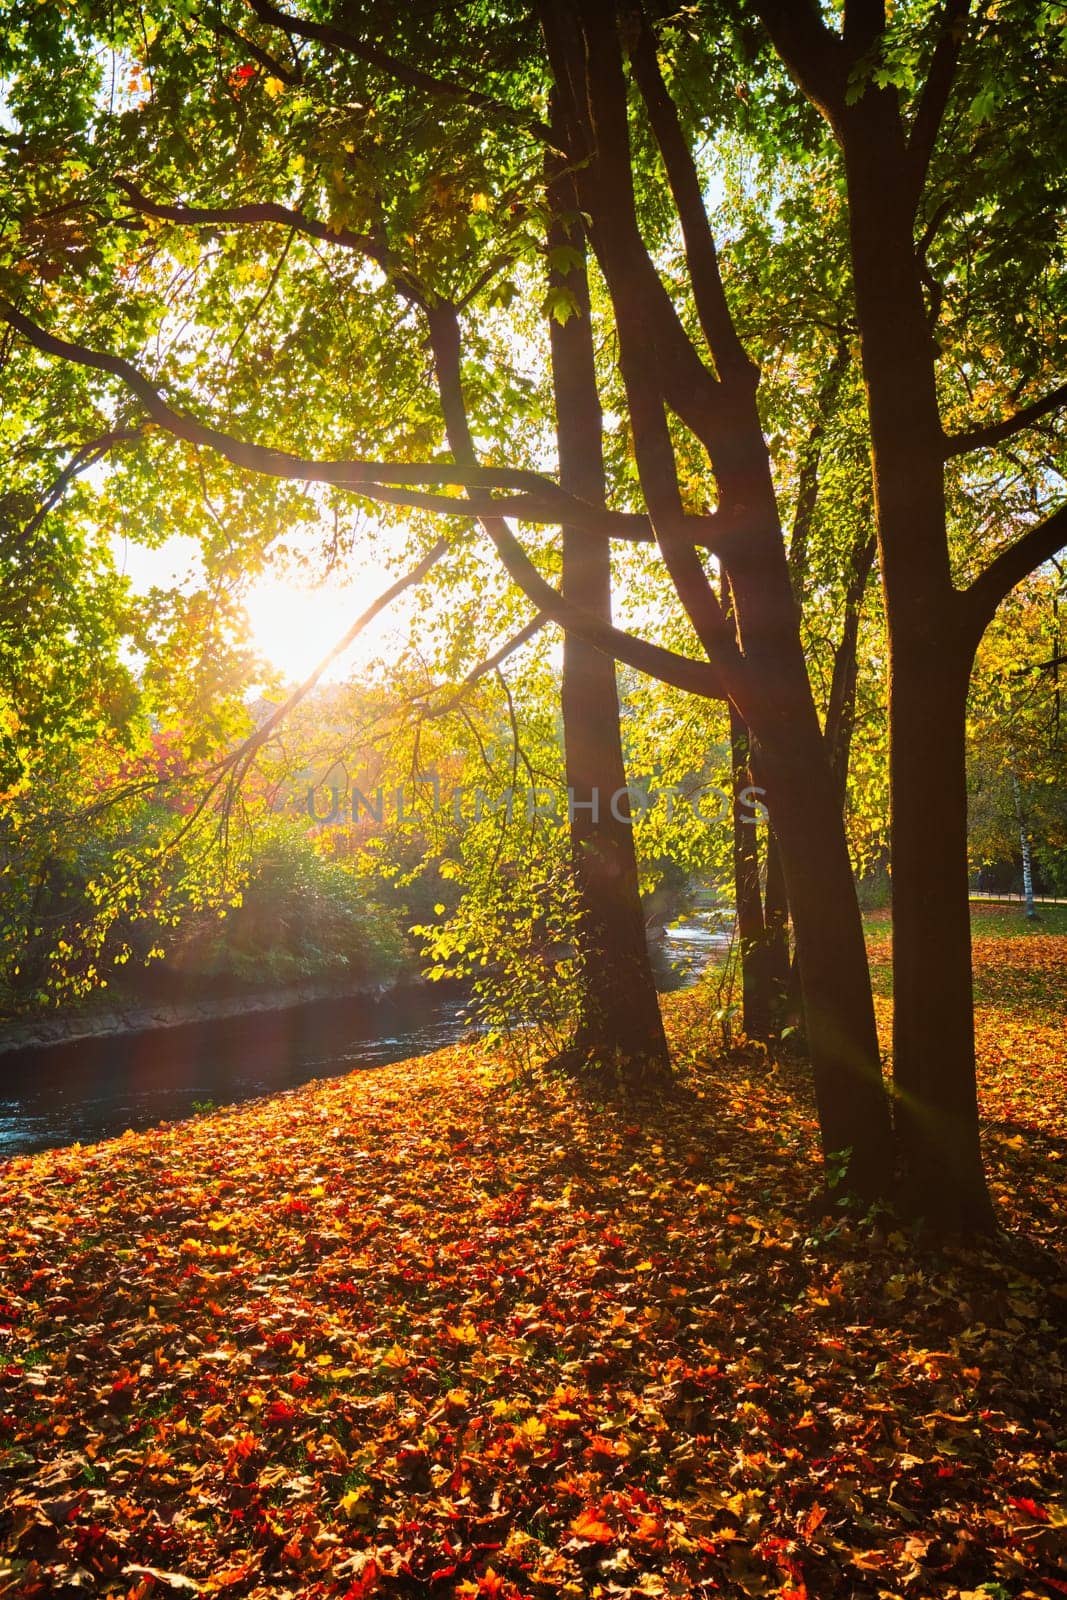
{"x": 958, "y": 444}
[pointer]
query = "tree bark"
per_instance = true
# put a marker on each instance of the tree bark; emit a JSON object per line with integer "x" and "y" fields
{"x": 933, "y": 1032}
{"x": 787, "y": 1006}
{"x": 1025, "y": 846}
{"x": 619, "y": 1020}
{"x": 930, "y": 654}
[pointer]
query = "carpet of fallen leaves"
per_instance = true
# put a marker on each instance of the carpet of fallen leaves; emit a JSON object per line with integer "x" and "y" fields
{"x": 425, "y": 1331}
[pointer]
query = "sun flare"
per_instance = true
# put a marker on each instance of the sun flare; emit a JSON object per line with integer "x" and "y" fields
{"x": 293, "y": 626}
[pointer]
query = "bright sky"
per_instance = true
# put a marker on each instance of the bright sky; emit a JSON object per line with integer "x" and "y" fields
{"x": 292, "y": 625}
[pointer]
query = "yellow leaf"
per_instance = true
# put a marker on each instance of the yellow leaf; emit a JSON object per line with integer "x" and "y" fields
{"x": 356, "y": 1503}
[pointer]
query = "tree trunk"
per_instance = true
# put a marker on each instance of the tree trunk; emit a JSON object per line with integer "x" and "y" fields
{"x": 762, "y": 913}
{"x": 841, "y": 702}
{"x": 929, "y": 665}
{"x": 619, "y": 1021}
{"x": 787, "y": 1006}
{"x": 832, "y": 958}
{"x": 748, "y": 897}
{"x": 1025, "y": 847}
{"x": 762, "y": 665}
{"x": 933, "y": 1038}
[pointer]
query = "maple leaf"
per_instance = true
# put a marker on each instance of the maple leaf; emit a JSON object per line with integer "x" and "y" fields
{"x": 589, "y": 1526}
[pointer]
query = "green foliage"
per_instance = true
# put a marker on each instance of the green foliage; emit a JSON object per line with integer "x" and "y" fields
{"x": 516, "y": 946}
{"x": 299, "y": 916}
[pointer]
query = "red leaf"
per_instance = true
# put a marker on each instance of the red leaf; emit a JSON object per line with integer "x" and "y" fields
{"x": 587, "y": 1525}
{"x": 1030, "y": 1508}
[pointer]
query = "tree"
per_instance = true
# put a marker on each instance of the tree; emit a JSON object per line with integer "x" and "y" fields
{"x": 392, "y": 200}
{"x": 926, "y": 170}
{"x": 1016, "y": 738}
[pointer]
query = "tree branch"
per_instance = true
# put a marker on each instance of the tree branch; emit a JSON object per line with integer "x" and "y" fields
{"x": 615, "y": 221}
{"x": 490, "y": 664}
{"x": 265, "y": 59}
{"x": 812, "y": 52}
{"x": 810, "y": 462}
{"x": 85, "y": 457}
{"x": 1038, "y": 545}
{"x": 684, "y": 672}
{"x": 599, "y": 156}
{"x": 242, "y": 756}
{"x": 351, "y": 43}
{"x": 934, "y": 97}
{"x": 958, "y": 444}
{"x": 708, "y": 530}
{"x": 730, "y": 357}
{"x": 269, "y": 211}
{"x": 280, "y": 463}
{"x": 544, "y": 501}
{"x": 863, "y": 24}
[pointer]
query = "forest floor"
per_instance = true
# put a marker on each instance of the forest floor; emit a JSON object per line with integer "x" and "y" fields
{"x": 429, "y": 1331}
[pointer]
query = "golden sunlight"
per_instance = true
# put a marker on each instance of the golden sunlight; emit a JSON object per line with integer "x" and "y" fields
{"x": 293, "y": 626}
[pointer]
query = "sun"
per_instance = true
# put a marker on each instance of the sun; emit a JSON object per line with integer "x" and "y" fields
{"x": 294, "y": 625}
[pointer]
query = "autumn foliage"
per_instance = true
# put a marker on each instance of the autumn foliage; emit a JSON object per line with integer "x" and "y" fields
{"x": 426, "y": 1331}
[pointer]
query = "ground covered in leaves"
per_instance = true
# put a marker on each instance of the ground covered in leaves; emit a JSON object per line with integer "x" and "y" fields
{"x": 422, "y": 1331}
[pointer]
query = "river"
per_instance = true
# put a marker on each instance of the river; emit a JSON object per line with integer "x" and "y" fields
{"x": 90, "y": 1089}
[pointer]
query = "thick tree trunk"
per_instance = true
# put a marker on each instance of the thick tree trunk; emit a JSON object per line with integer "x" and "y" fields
{"x": 929, "y": 664}
{"x": 789, "y": 755}
{"x": 933, "y": 1038}
{"x": 619, "y": 1022}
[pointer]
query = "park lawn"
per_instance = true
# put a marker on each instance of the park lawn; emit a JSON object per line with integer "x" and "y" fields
{"x": 426, "y": 1331}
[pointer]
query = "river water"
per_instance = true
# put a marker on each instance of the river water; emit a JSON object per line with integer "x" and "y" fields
{"x": 90, "y": 1089}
